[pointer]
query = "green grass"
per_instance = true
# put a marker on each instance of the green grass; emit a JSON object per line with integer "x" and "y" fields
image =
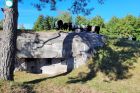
{"x": 115, "y": 69}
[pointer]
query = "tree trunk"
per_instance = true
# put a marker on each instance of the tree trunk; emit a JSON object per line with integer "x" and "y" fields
{"x": 8, "y": 49}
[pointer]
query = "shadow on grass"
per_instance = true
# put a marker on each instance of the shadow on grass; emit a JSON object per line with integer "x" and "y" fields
{"x": 43, "y": 79}
{"x": 114, "y": 61}
{"x": 14, "y": 87}
{"x": 27, "y": 88}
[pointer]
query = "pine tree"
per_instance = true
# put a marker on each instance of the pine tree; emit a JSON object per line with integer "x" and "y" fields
{"x": 39, "y": 24}
{"x": 48, "y": 23}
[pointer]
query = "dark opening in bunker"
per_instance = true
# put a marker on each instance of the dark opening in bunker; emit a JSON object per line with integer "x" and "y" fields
{"x": 34, "y": 65}
{"x": 49, "y": 61}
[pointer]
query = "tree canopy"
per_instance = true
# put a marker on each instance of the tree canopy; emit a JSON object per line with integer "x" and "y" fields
{"x": 39, "y": 23}
{"x": 76, "y": 7}
{"x": 65, "y": 17}
{"x": 125, "y": 27}
{"x": 97, "y": 20}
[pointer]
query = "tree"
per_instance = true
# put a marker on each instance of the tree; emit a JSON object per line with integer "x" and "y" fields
{"x": 65, "y": 17}
{"x": 48, "y": 23}
{"x": 137, "y": 28}
{"x": 137, "y": 22}
{"x": 1, "y": 24}
{"x": 81, "y": 20}
{"x": 8, "y": 49}
{"x": 127, "y": 25}
{"x": 39, "y": 26}
{"x": 97, "y": 20}
{"x": 112, "y": 25}
{"x": 44, "y": 23}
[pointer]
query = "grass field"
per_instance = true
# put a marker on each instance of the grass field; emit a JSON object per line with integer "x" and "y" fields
{"x": 115, "y": 69}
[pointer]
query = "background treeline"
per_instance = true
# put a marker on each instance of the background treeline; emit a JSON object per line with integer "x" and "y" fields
{"x": 118, "y": 27}
{"x": 115, "y": 27}
{"x": 49, "y": 22}
{"x": 44, "y": 23}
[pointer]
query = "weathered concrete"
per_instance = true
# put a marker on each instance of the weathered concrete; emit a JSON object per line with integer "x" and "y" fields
{"x": 56, "y": 45}
{"x": 75, "y": 48}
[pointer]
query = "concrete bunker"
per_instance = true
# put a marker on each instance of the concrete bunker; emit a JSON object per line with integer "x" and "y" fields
{"x": 45, "y": 65}
{"x": 55, "y": 53}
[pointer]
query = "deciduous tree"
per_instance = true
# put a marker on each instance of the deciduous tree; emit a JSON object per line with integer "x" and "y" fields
{"x": 97, "y": 21}
{"x": 65, "y": 17}
{"x": 81, "y": 20}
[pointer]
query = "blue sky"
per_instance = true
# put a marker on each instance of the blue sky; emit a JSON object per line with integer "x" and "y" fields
{"x": 119, "y": 8}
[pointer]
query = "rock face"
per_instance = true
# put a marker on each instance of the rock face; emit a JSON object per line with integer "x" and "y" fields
{"x": 56, "y": 53}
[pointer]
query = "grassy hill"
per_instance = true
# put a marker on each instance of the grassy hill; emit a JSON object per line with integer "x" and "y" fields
{"x": 114, "y": 69}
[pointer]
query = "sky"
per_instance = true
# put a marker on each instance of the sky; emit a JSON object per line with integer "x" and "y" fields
{"x": 119, "y": 8}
